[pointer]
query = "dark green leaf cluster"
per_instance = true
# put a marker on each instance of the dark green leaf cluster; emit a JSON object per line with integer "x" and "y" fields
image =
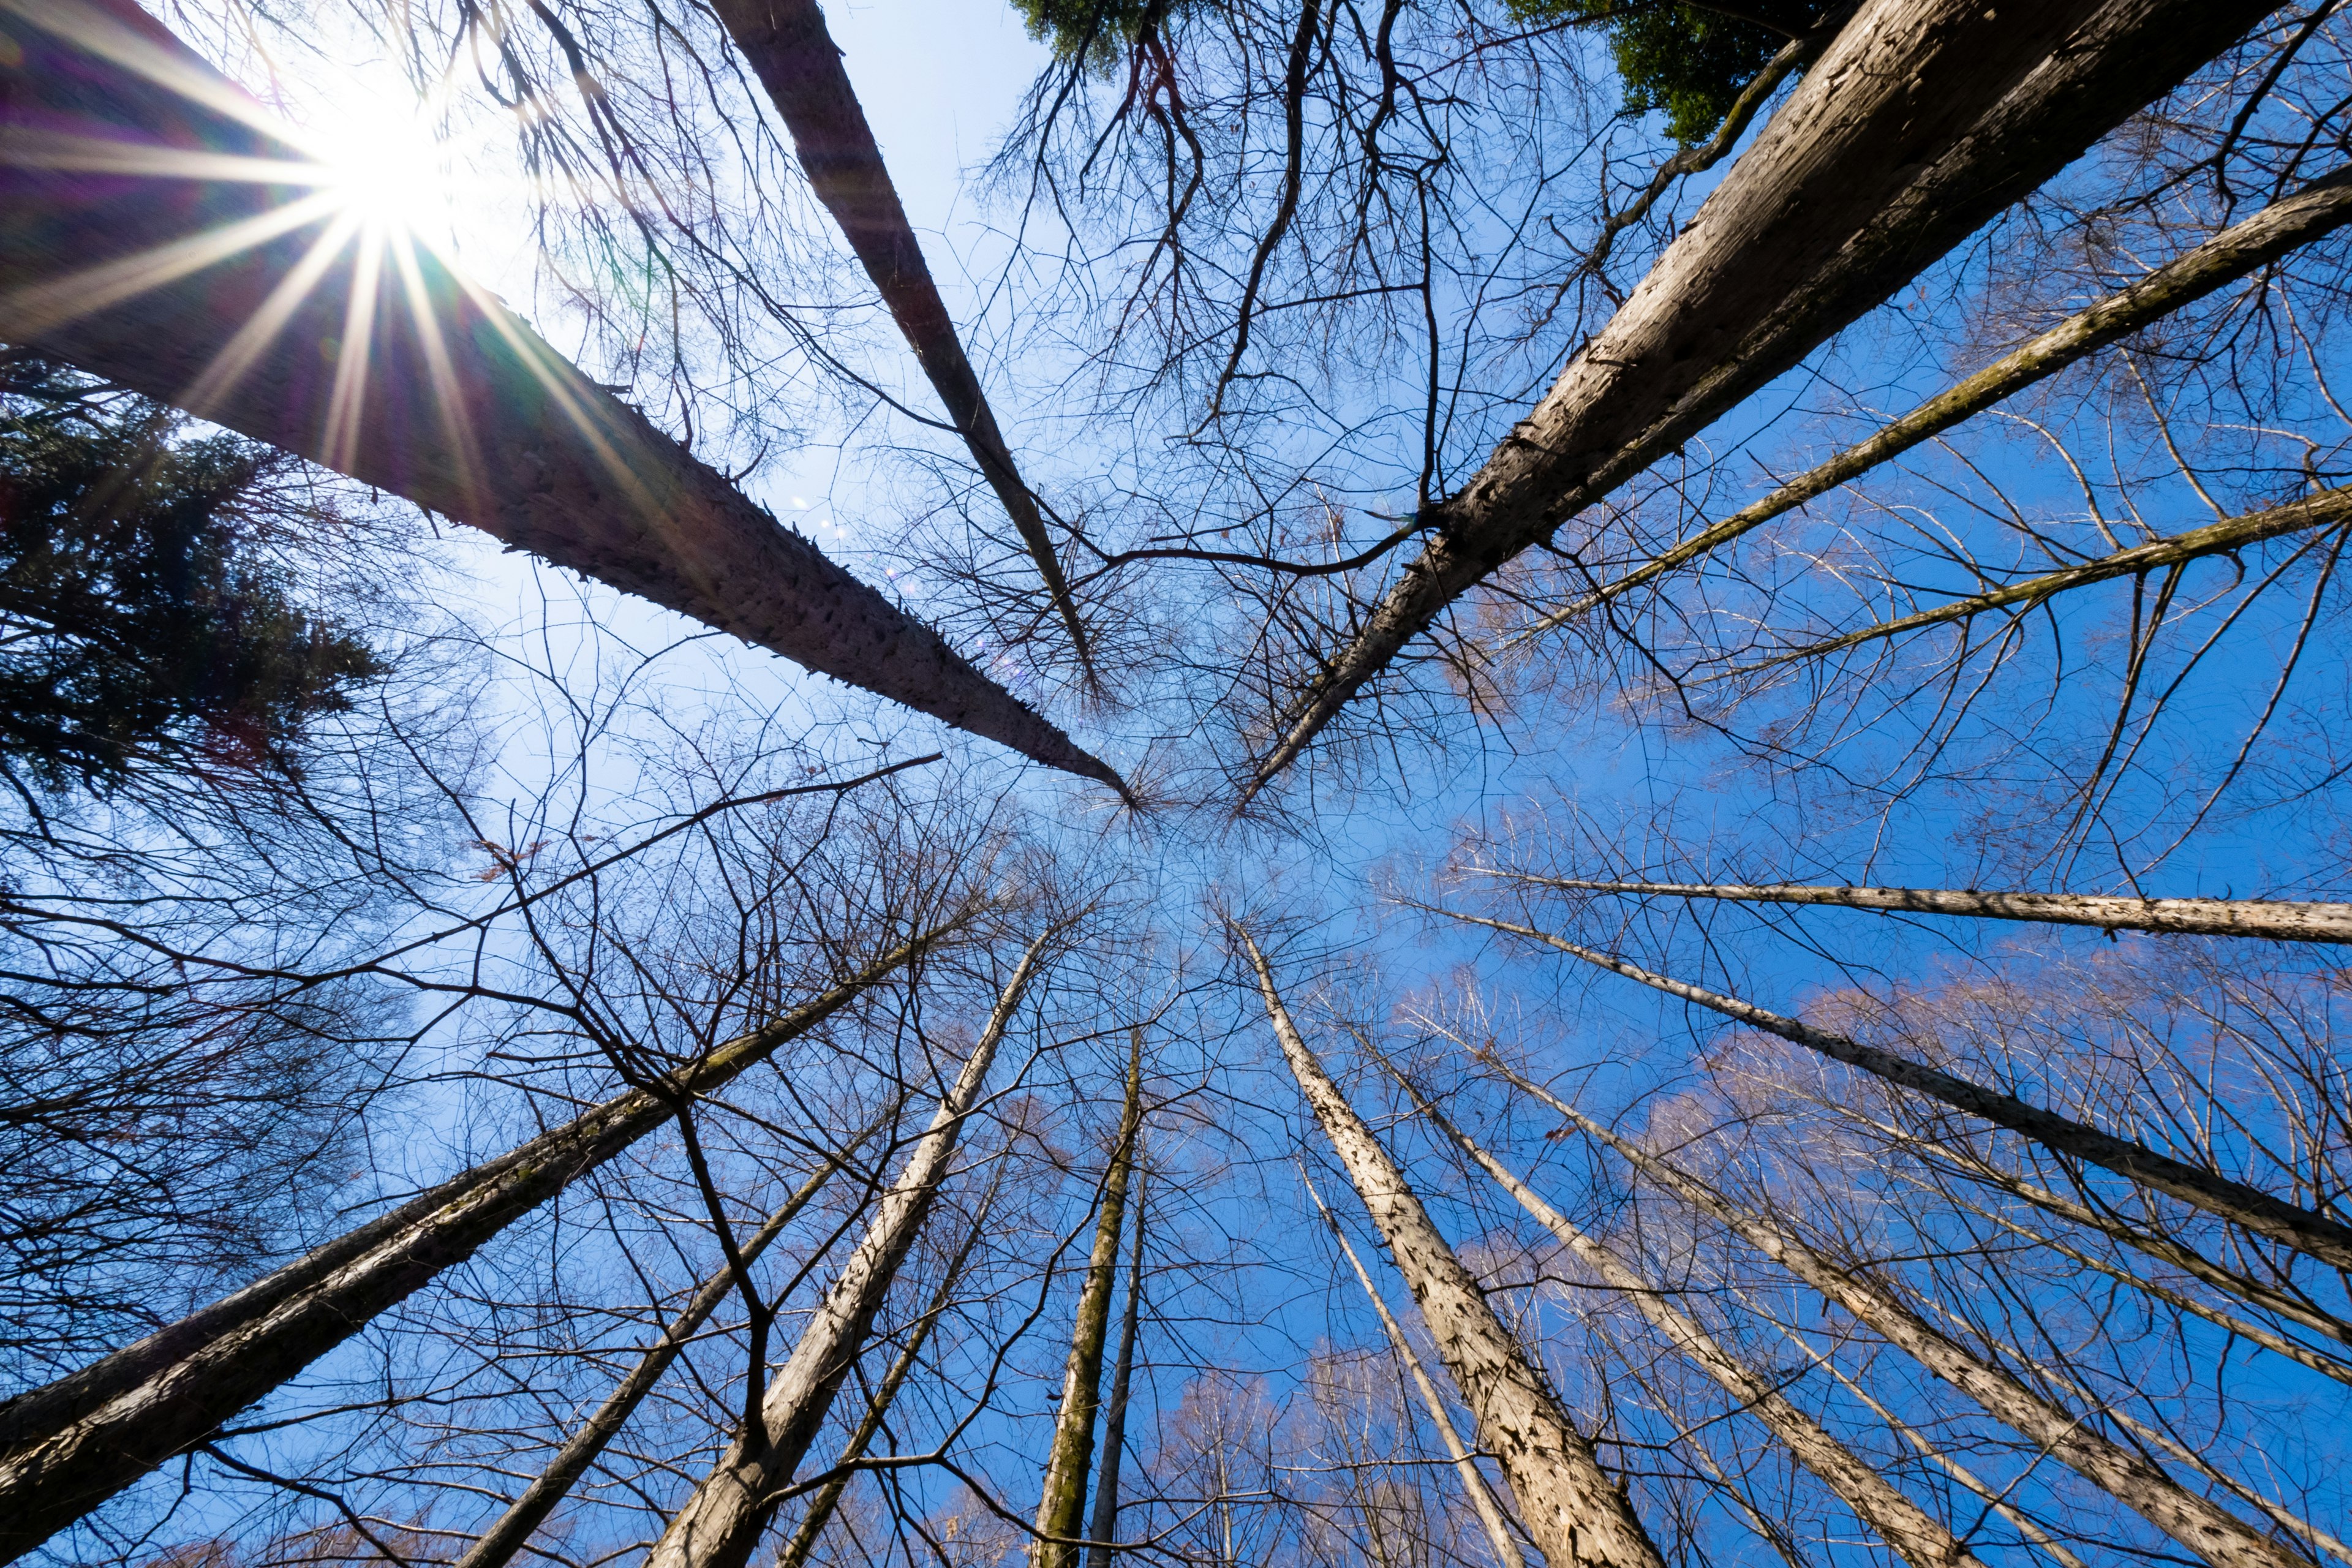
{"x": 1688, "y": 61}
{"x": 1098, "y": 31}
{"x": 143, "y": 620}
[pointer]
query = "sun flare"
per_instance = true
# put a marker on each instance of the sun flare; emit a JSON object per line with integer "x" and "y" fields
{"x": 384, "y": 165}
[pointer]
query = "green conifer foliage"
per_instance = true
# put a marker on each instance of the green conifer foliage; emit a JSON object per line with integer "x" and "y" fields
{"x": 1687, "y": 61}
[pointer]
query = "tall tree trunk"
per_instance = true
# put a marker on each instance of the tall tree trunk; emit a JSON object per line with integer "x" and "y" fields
{"x": 1917, "y": 1536}
{"x": 496, "y": 1545}
{"x": 2317, "y": 210}
{"x": 73, "y": 1444}
{"x": 1490, "y": 1512}
{"x": 1061, "y": 1510}
{"x": 2203, "y": 1527}
{"x": 1104, "y": 1530}
{"x": 1575, "y": 1514}
{"x": 2274, "y": 920}
{"x": 134, "y": 245}
{"x": 1922, "y": 121}
{"x": 2326, "y": 1239}
{"x": 722, "y": 1521}
{"x": 797, "y": 61}
{"x": 827, "y": 1498}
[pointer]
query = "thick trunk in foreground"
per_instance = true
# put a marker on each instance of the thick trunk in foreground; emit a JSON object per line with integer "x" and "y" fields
{"x": 1919, "y": 1538}
{"x": 796, "y": 59}
{"x": 1490, "y": 1512}
{"x": 495, "y": 1546}
{"x": 1062, "y": 1509}
{"x": 77, "y": 1442}
{"x": 2312, "y": 213}
{"x": 1922, "y": 121}
{"x": 2203, "y": 1527}
{"x": 2272, "y": 919}
{"x": 1574, "y": 1513}
{"x": 139, "y": 241}
{"x": 1104, "y": 1530}
{"x": 722, "y": 1521}
{"x": 2323, "y": 1238}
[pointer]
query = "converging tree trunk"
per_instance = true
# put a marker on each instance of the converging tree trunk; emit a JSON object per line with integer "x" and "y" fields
{"x": 1061, "y": 1510}
{"x": 722, "y": 1521}
{"x": 146, "y": 236}
{"x": 1922, "y": 121}
{"x": 1573, "y": 1511}
{"x": 73, "y": 1444}
{"x": 1104, "y": 1530}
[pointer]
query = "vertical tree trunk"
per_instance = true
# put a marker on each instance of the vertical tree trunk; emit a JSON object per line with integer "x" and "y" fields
{"x": 1922, "y": 121}
{"x": 1574, "y": 1513}
{"x": 1061, "y": 1510}
{"x": 722, "y": 1521}
{"x": 77, "y": 1442}
{"x": 2203, "y": 1527}
{"x": 1919, "y": 1538}
{"x": 446, "y": 397}
{"x": 1490, "y": 1512}
{"x": 1104, "y": 1530}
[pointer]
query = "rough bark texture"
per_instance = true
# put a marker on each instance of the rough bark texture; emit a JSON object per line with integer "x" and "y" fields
{"x": 1062, "y": 1509}
{"x": 1575, "y": 1514}
{"x": 2326, "y": 1239}
{"x": 1922, "y": 121}
{"x": 1490, "y": 1512}
{"x": 496, "y": 1545}
{"x": 134, "y": 246}
{"x": 2237, "y": 252}
{"x": 2274, "y": 920}
{"x": 2209, "y": 1530}
{"x": 722, "y": 1521}
{"x": 1104, "y": 1530}
{"x": 1915, "y": 1535}
{"x": 73, "y": 1444}
{"x": 794, "y": 55}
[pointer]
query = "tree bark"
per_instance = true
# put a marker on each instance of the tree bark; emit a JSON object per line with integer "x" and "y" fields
{"x": 722, "y": 1521}
{"x": 2317, "y": 210}
{"x": 2326, "y": 1239}
{"x": 1922, "y": 121}
{"x": 2272, "y": 919}
{"x": 1104, "y": 1532}
{"x": 75, "y": 1443}
{"x": 789, "y": 48}
{"x": 1062, "y": 1509}
{"x": 1490, "y": 1512}
{"x": 147, "y": 234}
{"x": 1575, "y": 1514}
{"x": 2218, "y": 1536}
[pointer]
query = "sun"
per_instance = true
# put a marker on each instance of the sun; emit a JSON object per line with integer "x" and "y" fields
{"x": 383, "y": 163}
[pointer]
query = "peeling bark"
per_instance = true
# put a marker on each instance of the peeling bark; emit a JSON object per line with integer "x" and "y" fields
{"x": 1920, "y": 122}
{"x": 1573, "y": 1511}
{"x": 724, "y": 1519}
{"x": 139, "y": 241}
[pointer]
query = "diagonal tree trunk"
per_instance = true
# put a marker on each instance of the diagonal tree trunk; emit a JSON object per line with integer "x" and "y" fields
{"x": 2213, "y": 1533}
{"x": 724, "y": 1519}
{"x": 821, "y": 1507}
{"x": 1922, "y": 121}
{"x": 1490, "y": 1511}
{"x": 2322, "y": 1236}
{"x": 497, "y": 1545}
{"x": 1575, "y": 1514}
{"x": 1104, "y": 1530}
{"x": 73, "y": 1444}
{"x": 146, "y": 236}
{"x": 1917, "y": 1536}
{"x": 2274, "y": 920}
{"x": 794, "y": 55}
{"x": 2317, "y": 210}
{"x": 1062, "y": 1509}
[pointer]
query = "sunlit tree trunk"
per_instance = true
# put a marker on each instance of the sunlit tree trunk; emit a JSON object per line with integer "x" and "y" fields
{"x": 1062, "y": 1511}
{"x": 189, "y": 279}
{"x": 1922, "y": 120}
{"x": 1104, "y": 1530}
{"x": 722, "y": 1521}
{"x": 73, "y": 1444}
{"x": 2203, "y": 1527}
{"x": 1575, "y": 1514}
